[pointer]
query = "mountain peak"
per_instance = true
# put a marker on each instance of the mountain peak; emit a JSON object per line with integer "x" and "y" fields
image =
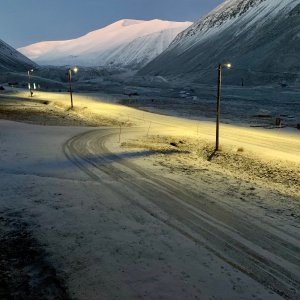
{"x": 252, "y": 34}
{"x": 127, "y": 22}
{"x": 141, "y": 39}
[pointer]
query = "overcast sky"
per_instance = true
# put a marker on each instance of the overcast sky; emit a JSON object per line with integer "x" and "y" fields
{"x": 24, "y": 22}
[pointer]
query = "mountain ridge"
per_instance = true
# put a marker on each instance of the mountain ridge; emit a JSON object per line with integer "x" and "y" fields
{"x": 257, "y": 35}
{"x": 12, "y": 60}
{"x": 95, "y": 48}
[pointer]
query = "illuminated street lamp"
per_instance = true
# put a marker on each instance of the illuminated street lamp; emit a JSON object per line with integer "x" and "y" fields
{"x": 75, "y": 70}
{"x": 29, "y": 81}
{"x": 220, "y": 67}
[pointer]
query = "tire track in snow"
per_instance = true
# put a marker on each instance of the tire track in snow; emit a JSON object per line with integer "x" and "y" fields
{"x": 266, "y": 257}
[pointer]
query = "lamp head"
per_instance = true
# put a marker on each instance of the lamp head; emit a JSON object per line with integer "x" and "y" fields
{"x": 228, "y": 66}
{"x": 75, "y": 69}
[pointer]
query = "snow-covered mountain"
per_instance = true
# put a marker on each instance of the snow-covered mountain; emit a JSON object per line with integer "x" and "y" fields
{"x": 124, "y": 43}
{"x": 12, "y": 60}
{"x": 253, "y": 35}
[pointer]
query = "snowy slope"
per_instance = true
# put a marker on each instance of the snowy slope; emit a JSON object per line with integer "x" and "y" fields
{"x": 142, "y": 50}
{"x": 122, "y": 43}
{"x": 252, "y": 34}
{"x": 12, "y": 60}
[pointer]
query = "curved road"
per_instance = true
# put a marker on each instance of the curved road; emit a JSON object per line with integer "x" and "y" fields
{"x": 263, "y": 252}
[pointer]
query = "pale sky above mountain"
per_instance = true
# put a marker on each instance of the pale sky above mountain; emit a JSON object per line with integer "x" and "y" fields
{"x": 25, "y": 22}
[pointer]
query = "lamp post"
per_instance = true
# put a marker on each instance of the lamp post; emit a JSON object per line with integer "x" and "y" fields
{"x": 220, "y": 68}
{"x": 29, "y": 82}
{"x": 75, "y": 70}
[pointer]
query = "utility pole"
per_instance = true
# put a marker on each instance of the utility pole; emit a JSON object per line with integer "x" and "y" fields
{"x": 70, "y": 87}
{"x": 218, "y": 113}
{"x": 218, "y": 107}
{"x": 75, "y": 70}
{"x": 29, "y": 82}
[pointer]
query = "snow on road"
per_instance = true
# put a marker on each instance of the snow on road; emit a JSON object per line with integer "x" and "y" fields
{"x": 116, "y": 227}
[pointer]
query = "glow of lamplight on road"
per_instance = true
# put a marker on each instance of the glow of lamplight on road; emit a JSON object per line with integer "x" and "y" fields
{"x": 233, "y": 135}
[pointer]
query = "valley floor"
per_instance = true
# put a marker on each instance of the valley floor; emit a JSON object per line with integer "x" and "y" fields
{"x": 118, "y": 203}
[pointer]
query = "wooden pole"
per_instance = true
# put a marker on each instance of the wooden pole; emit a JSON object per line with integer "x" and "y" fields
{"x": 29, "y": 83}
{"x": 218, "y": 107}
{"x": 71, "y": 94}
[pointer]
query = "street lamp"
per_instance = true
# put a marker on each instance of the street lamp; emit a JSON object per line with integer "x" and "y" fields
{"x": 29, "y": 82}
{"x": 220, "y": 67}
{"x": 75, "y": 70}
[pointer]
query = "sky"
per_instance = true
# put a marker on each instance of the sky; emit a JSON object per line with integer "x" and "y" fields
{"x": 26, "y": 22}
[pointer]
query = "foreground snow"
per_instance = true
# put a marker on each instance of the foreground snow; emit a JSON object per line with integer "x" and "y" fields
{"x": 115, "y": 226}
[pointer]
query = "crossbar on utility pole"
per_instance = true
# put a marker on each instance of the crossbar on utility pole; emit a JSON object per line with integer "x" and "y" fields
{"x": 218, "y": 107}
